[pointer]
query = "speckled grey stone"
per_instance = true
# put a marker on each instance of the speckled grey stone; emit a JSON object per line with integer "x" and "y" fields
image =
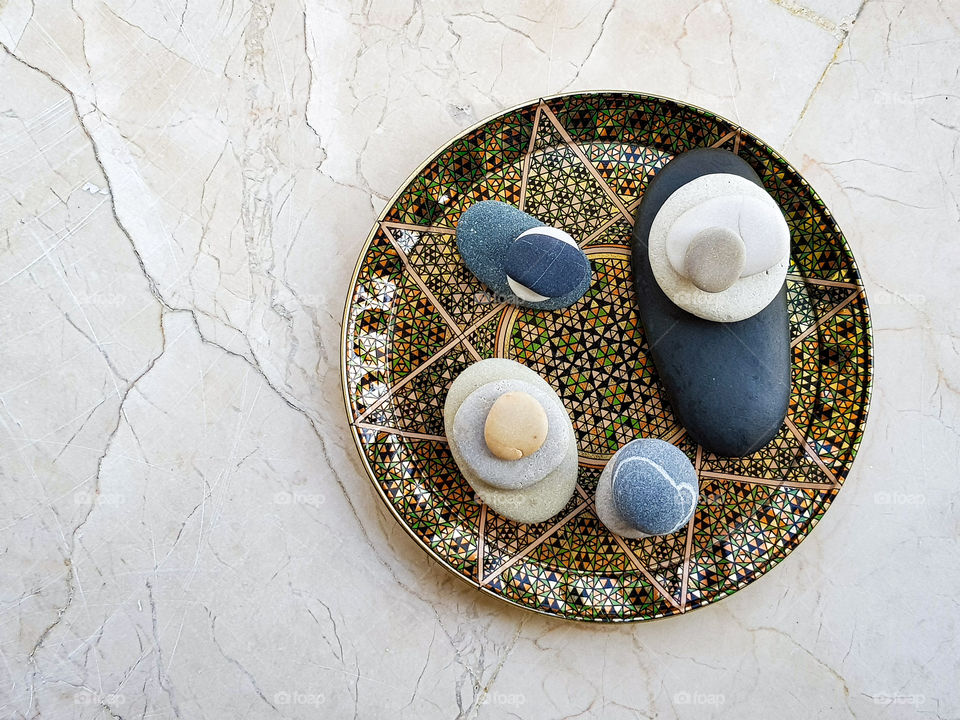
{"x": 607, "y": 511}
{"x": 486, "y": 233}
{"x": 714, "y": 259}
{"x": 649, "y": 487}
{"x": 468, "y": 433}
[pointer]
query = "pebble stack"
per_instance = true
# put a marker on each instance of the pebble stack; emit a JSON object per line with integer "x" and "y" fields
{"x": 512, "y": 439}
{"x": 521, "y": 260}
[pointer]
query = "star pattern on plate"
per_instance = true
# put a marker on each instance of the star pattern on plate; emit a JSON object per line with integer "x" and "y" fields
{"x": 416, "y": 317}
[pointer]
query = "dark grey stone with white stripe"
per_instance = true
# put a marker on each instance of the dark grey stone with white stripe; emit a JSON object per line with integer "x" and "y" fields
{"x": 547, "y": 265}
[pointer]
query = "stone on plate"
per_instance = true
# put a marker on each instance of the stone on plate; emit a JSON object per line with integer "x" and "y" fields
{"x": 545, "y": 262}
{"x": 714, "y": 259}
{"x": 744, "y": 208}
{"x": 469, "y": 432}
{"x": 521, "y": 260}
{"x": 756, "y": 220}
{"x": 534, "y": 503}
{"x": 516, "y": 426}
{"x": 728, "y": 383}
{"x": 649, "y": 487}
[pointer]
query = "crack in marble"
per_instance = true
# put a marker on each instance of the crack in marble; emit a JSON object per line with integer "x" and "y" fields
{"x": 152, "y": 283}
{"x": 165, "y": 307}
{"x": 486, "y": 17}
{"x": 162, "y": 677}
{"x": 844, "y": 30}
{"x": 479, "y": 701}
{"x": 310, "y": 80}
{"x": 809, "y": 15}
{"x": 593, "y": 45}
{"x": 236, "y": 663}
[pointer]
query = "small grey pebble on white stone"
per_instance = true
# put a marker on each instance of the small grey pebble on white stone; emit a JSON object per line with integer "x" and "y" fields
{"x": 714, "y": 200}
{"x": 756, "y": 219}
{"x": 714, "y": 259}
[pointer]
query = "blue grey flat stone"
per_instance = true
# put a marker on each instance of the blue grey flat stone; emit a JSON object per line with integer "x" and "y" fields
{"x": 728, "y": 383}
{"x": 649, "y": 487}
{"x": 547, "y": 265}
{"x": 486, "y": 234}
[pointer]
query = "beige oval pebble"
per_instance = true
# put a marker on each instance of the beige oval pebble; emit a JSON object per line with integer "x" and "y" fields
{"x": 516, "y": 426}
{"x": 714, "y": 259}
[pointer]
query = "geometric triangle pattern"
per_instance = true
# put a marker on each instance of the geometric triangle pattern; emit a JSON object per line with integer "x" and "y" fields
{"x": 484, "y": 164}
{"x": 808, "y": 302}
{"x": 417, "y": 404}
{"x": 561, "y": 190}
{"x": 626, "y": 168}
{"x": 417, "y": 330}
{"x": 506, "y": 539}
{"x": 596, "y": 356}
{"x": 443, "y": 271}
{"x": 647, "y": 122}
{"x": 664, "y": 559}
{"x": 615, "y": 233}
{"x": 783, "y": 460}
{"x": 368, "y": 324}
{"x": 751, "y": 528}
{"x": 484, "y": 335}
{"x": 416, "y": 317}
{"x": 836, "y": 362}
{"x": 421, "y": 479}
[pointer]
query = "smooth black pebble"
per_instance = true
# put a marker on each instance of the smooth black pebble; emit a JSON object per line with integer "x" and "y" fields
{"x": 728, "y": 383}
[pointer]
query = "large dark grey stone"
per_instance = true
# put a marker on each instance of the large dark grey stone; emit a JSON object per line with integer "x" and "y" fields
{"x": 728, "y": 383}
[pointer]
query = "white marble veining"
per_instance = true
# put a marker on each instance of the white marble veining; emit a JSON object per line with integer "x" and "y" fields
{"x": 185, "y": 527}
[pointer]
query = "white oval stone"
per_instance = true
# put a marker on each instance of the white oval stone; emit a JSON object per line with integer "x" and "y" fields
{"x": 748, "y": 295}
{"x": 757, "y": 220}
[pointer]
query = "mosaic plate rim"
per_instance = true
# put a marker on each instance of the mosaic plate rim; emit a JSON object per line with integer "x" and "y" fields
{"x": 778, "y": 552}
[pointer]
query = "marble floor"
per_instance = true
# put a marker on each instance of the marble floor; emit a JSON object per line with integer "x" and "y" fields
{"x": 185, "y": 527}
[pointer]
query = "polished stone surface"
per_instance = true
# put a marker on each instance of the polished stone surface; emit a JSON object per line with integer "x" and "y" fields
{"x": 693, "y": 176}
{"x": 513, "y": 255}
{"x": 470, "y": 433}
{"x": 728, "y": 383}
{"x": 186, "y": 528}
{"x": 548, "y": 262}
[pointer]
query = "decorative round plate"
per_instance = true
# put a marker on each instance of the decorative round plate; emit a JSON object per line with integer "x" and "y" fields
{"x": 415, "y": 317}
